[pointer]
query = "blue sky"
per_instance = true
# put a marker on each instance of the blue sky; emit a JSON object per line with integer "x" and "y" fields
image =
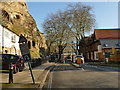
{"x": 106, "y": 13}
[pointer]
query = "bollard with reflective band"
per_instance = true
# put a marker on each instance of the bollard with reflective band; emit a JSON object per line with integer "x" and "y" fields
{"x": 11, "y": 73}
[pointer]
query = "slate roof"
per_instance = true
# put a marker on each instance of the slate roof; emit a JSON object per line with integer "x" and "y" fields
{"x": 109, "y": 43}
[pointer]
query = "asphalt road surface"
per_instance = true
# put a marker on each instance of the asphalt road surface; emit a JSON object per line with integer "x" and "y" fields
{"x": 89, "y": 77}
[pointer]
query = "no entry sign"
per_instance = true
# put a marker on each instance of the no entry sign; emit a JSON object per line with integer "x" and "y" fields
{"x": 24, "y": 49}
{"x": 26, "y": 57}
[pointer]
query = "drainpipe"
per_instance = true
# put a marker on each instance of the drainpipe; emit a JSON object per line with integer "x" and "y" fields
{"x": 2, "y": 39}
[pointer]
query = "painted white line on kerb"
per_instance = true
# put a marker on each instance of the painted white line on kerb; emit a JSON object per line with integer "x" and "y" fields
{"x": 50, "y": 79}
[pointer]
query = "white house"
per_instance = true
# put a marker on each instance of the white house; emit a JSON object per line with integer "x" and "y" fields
{"x": 9, "y": 41}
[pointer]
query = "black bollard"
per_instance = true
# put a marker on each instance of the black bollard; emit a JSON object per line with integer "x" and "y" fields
{"x": 10, "y": 73}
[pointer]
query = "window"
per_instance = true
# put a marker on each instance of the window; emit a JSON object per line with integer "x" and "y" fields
{"x": 5, "y": 14}
{"x": 29, "y": 45}
{"x": 13, "y": 38}
{"x": 17, "y": 17}
{"x": 0, "y": 32}
{"x": 33, "y": 43}
{"x": 118, "y": 44}
{"x": 6, "y": 51}
{"x": 5, "y": 57}
{"x": 87, "y": 55}
{"x": 105, "y": 45}
{"x": 6, "y": 34}
{"x": 96, "y": 55}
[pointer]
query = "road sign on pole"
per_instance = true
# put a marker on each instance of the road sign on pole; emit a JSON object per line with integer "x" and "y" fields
{"x": 25, "y": 53}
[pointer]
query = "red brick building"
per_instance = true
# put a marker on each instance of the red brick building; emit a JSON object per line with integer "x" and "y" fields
{"x": 101, "y": 42}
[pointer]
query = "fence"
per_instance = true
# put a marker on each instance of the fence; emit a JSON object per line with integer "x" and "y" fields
{"x": 38, "y": 61}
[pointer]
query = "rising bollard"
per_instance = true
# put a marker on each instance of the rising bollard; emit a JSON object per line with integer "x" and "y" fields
{"x": 10, "y": 73}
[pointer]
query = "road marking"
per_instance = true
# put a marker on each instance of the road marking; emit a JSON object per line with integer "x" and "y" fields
{"x": 83, "y": 69}
{"x": 50, "y": 79}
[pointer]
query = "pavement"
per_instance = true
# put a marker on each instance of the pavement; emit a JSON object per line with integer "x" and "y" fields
{"x": 103, "y": 64}
{"x": 98, "y": 67}
{"x": 24, "y": 80}
{"x": 96, "y": 64}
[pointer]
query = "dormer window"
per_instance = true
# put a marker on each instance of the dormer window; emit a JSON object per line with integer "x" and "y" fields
{"x": 118, "y": 44}
{"x": 105, "y": 45}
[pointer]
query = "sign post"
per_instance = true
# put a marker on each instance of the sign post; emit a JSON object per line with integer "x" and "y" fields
{"x": 26, "y": 53}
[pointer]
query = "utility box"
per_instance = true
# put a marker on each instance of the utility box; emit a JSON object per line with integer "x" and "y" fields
{"x": 78, "y": 59}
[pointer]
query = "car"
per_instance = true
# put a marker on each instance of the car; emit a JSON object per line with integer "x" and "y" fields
{"x": 82, "y": 59}
{"x": 16, "y": 61}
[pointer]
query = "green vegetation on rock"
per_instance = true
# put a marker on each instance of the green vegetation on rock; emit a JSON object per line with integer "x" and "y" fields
{"x": 34, "y": 54}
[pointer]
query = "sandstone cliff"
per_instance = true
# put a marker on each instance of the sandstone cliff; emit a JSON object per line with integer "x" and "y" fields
{"x": 15, "y": 16}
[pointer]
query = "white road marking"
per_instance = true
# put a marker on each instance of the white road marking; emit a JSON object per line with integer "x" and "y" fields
{"x": 50, "y": 79}
{"x": 82, "y": 69}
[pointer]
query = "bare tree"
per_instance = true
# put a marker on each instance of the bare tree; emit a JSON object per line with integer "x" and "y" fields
{"x": 56, "y": 29}
{"x": 81, "y": 20}
{"x": 74, "y": 22}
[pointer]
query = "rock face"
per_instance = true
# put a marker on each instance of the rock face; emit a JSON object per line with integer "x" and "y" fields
{"x": 16, "y": 17}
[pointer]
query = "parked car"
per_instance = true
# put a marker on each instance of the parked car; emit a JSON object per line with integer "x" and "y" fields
{"x": 82, "y": 58}
{"x": 15, "y": 60}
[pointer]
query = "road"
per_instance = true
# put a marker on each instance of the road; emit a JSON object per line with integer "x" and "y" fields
{"x": 67, "y": 76}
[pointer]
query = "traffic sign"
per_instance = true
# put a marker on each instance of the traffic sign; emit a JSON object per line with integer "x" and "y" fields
{"x": 25, "y": 53}
{"x": 24, "y": 48}
{"x": 26, "y": 57}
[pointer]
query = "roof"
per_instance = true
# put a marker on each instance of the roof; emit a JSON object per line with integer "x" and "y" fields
{"x": 107, "y": 33}
{"x": 110, "y": 43}
{"x": 9, "y": 29}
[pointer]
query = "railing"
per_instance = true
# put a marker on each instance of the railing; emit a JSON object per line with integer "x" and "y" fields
{"x": 37, "y": 62}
